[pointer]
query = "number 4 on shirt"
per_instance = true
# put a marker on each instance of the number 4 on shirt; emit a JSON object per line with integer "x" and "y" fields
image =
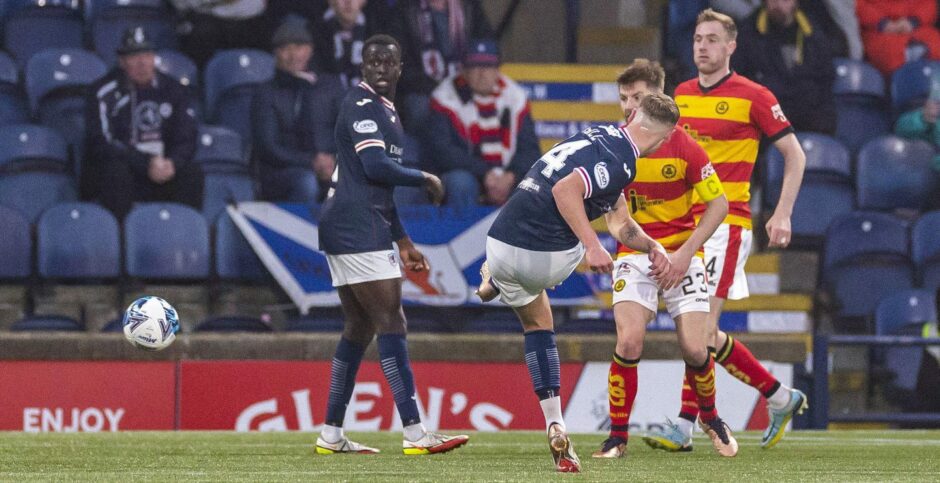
{"x": 555, "y": 158}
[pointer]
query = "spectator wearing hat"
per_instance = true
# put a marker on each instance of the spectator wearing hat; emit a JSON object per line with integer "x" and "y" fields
{"x": 481, "y": 135}
{"x": 292, "y": 119}
{"x": 141, "y": 133}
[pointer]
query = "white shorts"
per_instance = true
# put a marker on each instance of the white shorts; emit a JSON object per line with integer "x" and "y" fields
{"x": 726, "y": 253}
{"x": 521, "y": 275}
{"x": 363, "y": 267}
{"x": 632, "y": 284}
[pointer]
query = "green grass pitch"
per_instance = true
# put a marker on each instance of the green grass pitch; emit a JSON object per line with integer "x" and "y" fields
{"x": 516, "y": 456}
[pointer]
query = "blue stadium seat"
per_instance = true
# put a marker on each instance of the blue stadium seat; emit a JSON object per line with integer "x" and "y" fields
{"x": 865, "y": 259}
{"x": 925, "y": 250}
{"x": 113, "y": 17}
{"x": 114, "y": 325}
{"x": 47, "y": 323}
{"x": 166, "y": 241}
{"x": 77, "y": 241}
{"x": 827, "y": 190}
{"x": 13, "y": 107}
{"x": 903, "y": 308}
{"x": 16, "y": 247}
{"x": 56, "y": 83}
{"x": 910, "y": 84}
{"x": 233, "y": 324}
{"x": 178, "y": 66}
{"x": 221, "y": 150}
{"x": 856, "y": 124}
{"x": 25, "y": 147}
{"x": 893, "y": 172}
{"x": 234, "y": 258}
{"x": 230, "y": 78}
{"x": 904, "y": 313}
{"x": 32, "y": 192}
{"x": 36, "y": 25}
{"x": 228, "y": 178}
{"x": 857, "y": 80}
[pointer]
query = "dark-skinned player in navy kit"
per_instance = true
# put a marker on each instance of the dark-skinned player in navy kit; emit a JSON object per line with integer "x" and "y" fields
{"x": 358, "y": 226}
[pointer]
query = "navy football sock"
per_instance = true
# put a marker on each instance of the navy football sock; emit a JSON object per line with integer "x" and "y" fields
{"x": 541, "y": 356}
{"x": 393, "y": 355}
{"x": 342, "y": 379}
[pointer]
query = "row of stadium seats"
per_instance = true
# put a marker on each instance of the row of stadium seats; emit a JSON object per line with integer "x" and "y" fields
{"x": 35, "y": 175}
{"x": 888, "y": 173}
{"x": 869, "y": 256}
{"x": 78, "y": 242}
{"x": 904, "y": 313}
{"x": 30, "y": 26}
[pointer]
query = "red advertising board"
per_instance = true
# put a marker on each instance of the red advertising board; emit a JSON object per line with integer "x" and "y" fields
{"x": 283, "y": 396}
{"x": 87, "y": 396}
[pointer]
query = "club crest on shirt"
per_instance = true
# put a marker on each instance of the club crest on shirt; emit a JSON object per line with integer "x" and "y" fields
{"x": 601, "y": 175}
{"x": 365, "y": 126}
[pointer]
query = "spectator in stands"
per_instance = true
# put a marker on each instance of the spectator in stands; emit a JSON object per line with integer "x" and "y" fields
{"x": 781, "y": 48}
{"x": 292, "y": 118}
{"x": 141, "y": 133}
{"x": 433, "y": 36}
{"x": 480, "y": 133}
{"x": 211, "y": 25}
{"x": 921, "y": 123}
{"x": 898, "y": 31}
{"x": 339, "y": 36}
{"x": 836, "y": 18}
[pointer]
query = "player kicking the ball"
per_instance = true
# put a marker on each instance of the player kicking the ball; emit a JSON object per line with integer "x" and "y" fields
{"x": 660, "y": 200}
{"x": 727, "y": 114}
{"x": 358, "y": 224}
{"x": 544, "y": 231}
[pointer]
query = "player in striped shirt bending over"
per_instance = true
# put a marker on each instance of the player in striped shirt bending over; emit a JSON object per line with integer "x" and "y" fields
{"x": 728, "y": 114}
{"x": 660, "y": 200}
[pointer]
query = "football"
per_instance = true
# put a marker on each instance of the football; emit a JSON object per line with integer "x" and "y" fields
{"x": 151, "y": 323}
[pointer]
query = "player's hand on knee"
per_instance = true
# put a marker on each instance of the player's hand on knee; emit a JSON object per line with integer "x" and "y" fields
{"x": 599, "y": 260}
{"x": 778, "y": 231}
{"x": 434, "y": 187}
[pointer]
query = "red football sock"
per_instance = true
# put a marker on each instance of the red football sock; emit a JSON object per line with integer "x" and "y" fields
{"x": 740, "y": 363}
{"x": 621, "y": 392}
{"x": 703, "y": 386}
{"x": 689, "y": 408}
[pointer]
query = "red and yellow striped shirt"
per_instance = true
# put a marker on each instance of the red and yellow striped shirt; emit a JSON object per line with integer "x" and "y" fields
{"x": 660, "y": 197}
{"x": 728, "y": 120}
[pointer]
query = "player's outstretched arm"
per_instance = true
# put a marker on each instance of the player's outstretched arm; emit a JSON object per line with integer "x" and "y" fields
{"x": 379, "y": 168}
{"x": 627, "y": 231}
{"x": 794, "y": 160}
{"x": 569, "y": 197}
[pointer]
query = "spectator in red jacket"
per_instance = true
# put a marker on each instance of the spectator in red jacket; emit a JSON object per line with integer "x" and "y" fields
{"x": 898, "y": 31}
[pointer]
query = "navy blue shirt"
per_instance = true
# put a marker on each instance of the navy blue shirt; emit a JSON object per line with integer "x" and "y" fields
{"x": 359, "y": 213}
{"x": 604, "y": 157}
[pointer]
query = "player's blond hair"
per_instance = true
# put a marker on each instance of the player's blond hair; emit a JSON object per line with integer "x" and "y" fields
{"x": 645, "y": 70}
{"x": 709, "y": 15}
{"x": 660, "y": 108}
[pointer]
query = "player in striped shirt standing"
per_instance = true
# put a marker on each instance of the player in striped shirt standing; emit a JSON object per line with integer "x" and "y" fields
{"x": 728, "y": 114}
{"x": 660, "y": 200}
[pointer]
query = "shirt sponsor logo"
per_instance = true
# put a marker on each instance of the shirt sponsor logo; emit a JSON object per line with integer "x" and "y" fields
{"x": 365, "y": 126}
{"x": 363, "y": 102}
{"x": 397, "y": 151}
{"x": 601, "y": 175}
{"x": 530, "y": 185}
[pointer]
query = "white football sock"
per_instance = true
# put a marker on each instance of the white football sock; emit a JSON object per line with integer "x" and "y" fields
{"x": 331, "y": 434}
{"x": 414, "y": 432}
{"x": 780, "y": 398}
{"x": 685, "y": 426}
{"x": 551, "y": 409}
